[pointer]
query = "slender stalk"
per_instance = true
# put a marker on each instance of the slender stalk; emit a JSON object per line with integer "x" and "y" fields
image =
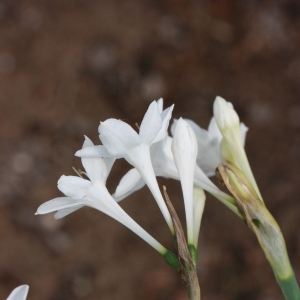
{"x": 289, "y": 287}
{"x": 192, "y": 285}
{"x": 188, "y": 270}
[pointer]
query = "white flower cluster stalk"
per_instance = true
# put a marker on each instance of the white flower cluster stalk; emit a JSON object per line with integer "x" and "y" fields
{"x": 191, "y": 155}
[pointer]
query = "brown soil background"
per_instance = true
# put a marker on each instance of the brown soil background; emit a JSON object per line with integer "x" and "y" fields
{"x": 67, "y": 64}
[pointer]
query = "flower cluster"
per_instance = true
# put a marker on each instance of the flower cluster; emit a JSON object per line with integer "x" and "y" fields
{"x": 190, "y": 155}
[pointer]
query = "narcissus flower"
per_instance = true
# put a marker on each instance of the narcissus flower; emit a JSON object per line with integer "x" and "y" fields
{"x": 122, "y": 141}
{"x": 92, "y": 192}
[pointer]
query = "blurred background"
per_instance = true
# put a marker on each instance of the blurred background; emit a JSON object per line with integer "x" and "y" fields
{"x": 65, "y": 65}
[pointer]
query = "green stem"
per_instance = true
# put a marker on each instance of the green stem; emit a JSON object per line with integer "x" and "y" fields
{"x": 289, "y": 287}
{"x": 265, "y": 227}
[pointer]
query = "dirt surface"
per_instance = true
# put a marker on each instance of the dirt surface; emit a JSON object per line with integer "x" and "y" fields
{"x": 66, "y": 65}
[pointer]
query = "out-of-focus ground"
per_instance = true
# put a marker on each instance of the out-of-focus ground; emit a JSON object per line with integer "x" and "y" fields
{"x": 67, "y": 64}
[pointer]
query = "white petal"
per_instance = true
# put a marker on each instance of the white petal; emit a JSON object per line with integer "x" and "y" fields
{"x": 196, "y": 128}
{"x": 73, "y": 186}
{"x": 93, "y": 151}
{"x": 214, "y": 130}
{"x": 66, "y": 211}
{"x": 199, "y": 202}
{"x": 19, "y": 293}
{"x": 160, "y": 104}
{"x": 165, "y": 116}
{"x": 151, "y": 124}
{"x": 131, "y": 182}
{"x": 117, "y": 136}
{"x": 57, "y": 204}
{"x": 244, "y": 130}
{"x": 109, "y": 162}
{"x": 209, "y": 156}
{"x": 184, "y": 148}
{"x": 87, "y": 143}
{"x": 162, "y": 159}
{"x": 173, "y": 126}
{"x": 95, "y": 168}
{"x": 202, "y": 181}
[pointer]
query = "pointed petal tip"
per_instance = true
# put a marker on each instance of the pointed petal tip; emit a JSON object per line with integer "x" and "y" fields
{"x": 219, "y": 98}
{"x": 19, "y": 293}
{"x": 87, "y": 143}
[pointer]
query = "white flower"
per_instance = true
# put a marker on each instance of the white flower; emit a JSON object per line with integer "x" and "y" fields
{"x": 200, "y": 178}
{"x": 19, "y": 293}
{"x": 232, "y": 149}
{"x": 184, "y": 149}
{"x": 121, "y": 140}
{"x": 93, "y": 192}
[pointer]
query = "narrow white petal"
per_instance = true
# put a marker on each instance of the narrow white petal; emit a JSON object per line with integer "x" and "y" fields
{"x": 117, "y": 136}
{"x": 151, "y": 124}
{"x": 73, "y": 186}
{"x": 162, "y": 159}
{"x": 173, "y": 126}
{"x": 209, "y": 156}
{"x": 196, "y": 128}
{"x": 19, "y": 293}
{"x": 214, "y": 130}
{"x": 244, "y": 130}
{"x": 57, "y": 204}
{"x": 165, "y": 117}
{"x": 184, "y": 148}
{"x": 96, "y": 168}
{"x": 66, "y": 211}
{"x": 199, "y": 202}
{"x": 109, "y": 162}
{"x": 132, "y": 181}
{"x": 102, "y": 154}
{"x": 160, "y": 104}
{"x": 87, "y": 142}
{"x": 93, "y": 151}
{"x": 202, "y": 181}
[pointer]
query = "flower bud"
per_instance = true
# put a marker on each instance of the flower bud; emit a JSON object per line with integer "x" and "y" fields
{"x": 225, "y": 115}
